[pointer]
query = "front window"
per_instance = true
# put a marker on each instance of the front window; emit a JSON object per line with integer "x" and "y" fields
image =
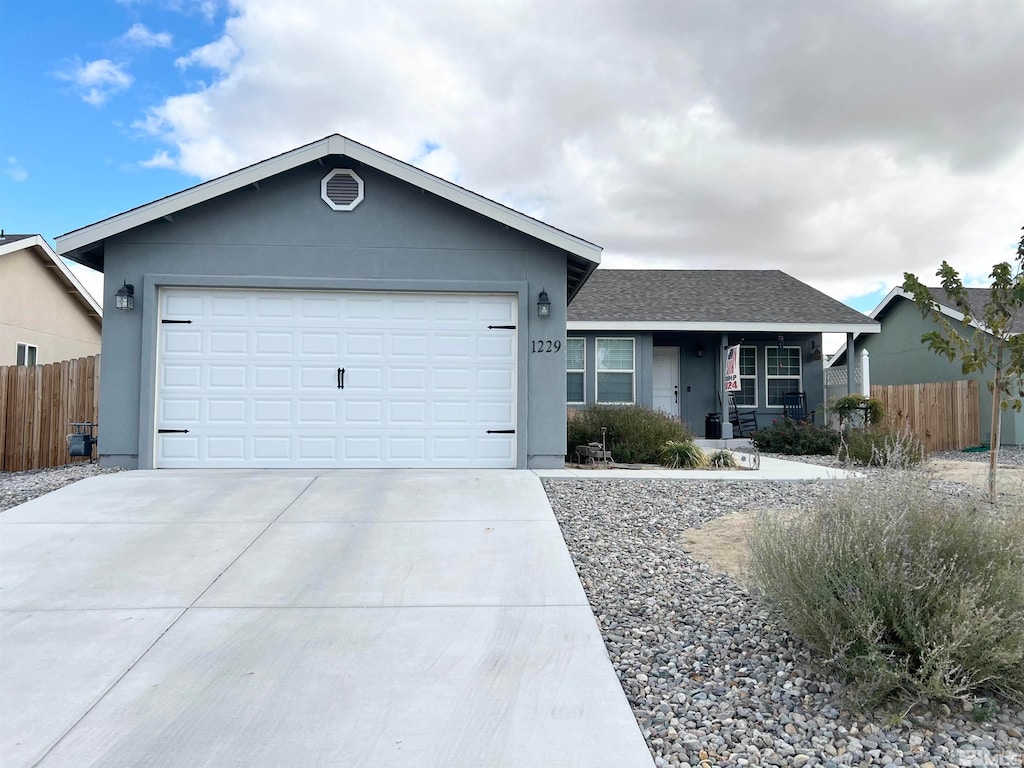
{"x": 782, "y": 373}
{"x": 27, "y": 354}
{"x": 747, "y": 396}
{"x": 575, "y": 371}
{"x": 615, "y": 371}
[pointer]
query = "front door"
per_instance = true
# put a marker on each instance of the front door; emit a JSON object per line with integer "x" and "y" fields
{"x": 666, "y": 380}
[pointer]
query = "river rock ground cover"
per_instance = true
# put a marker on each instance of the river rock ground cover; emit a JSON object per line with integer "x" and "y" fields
{"x": 712, "y": 677}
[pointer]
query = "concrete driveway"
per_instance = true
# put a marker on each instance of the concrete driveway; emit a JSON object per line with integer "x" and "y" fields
{"x": 302, "y": 618}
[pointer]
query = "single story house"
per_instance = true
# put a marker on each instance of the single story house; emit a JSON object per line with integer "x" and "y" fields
{"x": 332, "y": 307}
{"x": 658, "y": 338}
{"x": 898, "y": 356}
{"x": 46, "y": 314}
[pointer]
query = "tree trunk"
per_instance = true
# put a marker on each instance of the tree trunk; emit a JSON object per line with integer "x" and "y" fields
{"x": 997, "y": 418}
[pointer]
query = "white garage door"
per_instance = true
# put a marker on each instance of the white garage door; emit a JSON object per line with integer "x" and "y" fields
{"x": 267, "y": 378}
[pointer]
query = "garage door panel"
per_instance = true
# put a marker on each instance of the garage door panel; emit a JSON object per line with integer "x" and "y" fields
{"x": 179, "y": 410}
{"x": 181, "y": 376}
{"x": 254, "y": 378}
{"x": 182, "y": 341}
{"x": 271, "y": 411}
{"x": 221, "y": 411}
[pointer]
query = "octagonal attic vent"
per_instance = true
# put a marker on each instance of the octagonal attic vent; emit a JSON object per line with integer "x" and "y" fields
{"x": 342, "y": 189}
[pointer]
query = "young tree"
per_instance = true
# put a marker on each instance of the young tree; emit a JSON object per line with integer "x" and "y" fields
{"x": 984, "y": 341}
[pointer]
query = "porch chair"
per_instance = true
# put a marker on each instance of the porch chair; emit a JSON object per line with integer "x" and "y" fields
{"x": 741, "y": 420}
{"x": 794, "y": 406}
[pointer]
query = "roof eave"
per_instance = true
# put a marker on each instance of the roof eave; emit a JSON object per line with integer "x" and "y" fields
{"x": 721, "y": 327}
{"x": 75, "y": 243}
{"x": 78, "y": 290}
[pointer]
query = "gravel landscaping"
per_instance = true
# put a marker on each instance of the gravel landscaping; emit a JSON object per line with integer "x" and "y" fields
{"x": 711, "y": 676}
{"x": 19, "y": 487}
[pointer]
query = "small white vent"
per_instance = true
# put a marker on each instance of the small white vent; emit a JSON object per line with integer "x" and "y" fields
{"x": 342, "y": 189}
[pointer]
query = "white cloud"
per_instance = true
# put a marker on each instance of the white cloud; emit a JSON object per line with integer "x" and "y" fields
{"x": 219, "y": 55}
{"x": 792, "y": 136}
{"x": 14, "y": 170}
{"x": 96, "y": 81}
{"x": 160, "y": 159}
{"x": 140, "y": 35}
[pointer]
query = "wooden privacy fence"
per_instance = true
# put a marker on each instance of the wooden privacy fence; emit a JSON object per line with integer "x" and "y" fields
{"x": 944, "y": 414}
{"x": 38, "y": 404}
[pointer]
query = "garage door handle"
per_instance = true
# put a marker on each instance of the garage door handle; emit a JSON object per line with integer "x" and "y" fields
{"x": 501, "y": 431}
{"x": 341, "y": 378}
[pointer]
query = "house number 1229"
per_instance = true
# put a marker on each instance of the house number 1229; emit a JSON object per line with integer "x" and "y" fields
{"x": 546, "y": 345}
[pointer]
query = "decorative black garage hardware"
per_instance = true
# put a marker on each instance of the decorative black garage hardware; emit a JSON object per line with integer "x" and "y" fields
{"x": 501, "y": 431}
{"x": 341, "y": 378}
{"x": 176, "y": 322}
{"x": 171, "y": 431}
{"x": 501, "y": 327}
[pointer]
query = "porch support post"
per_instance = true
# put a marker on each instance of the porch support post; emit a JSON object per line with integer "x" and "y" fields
{"x": 865, "y": 374}
{"x": 723, "y": 396}
{"x": 851, "y": 363}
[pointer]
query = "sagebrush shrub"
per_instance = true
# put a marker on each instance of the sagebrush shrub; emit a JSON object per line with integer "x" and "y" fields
{"x": 882, "y": 445}
{"x": 635, "y": 434}
{"x": 900, "y": 590}
{"x": 796, "y": 438}
{"x": 683, "y": 454}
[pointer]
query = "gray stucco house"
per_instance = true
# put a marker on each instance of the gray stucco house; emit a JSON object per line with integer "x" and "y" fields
{"x": 332, "y": 307}
{"x": 658, "y": 338}
{"x": 899, "y": 357}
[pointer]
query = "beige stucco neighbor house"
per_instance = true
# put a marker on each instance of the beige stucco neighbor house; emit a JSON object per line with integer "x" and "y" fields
{"x": 46, "y": 315}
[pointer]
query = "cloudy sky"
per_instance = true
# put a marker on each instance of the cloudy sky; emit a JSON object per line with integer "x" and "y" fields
{"x": 843, "y": 142}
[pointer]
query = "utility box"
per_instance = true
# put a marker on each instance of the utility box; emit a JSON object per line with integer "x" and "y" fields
{"x": 81, "y": 441}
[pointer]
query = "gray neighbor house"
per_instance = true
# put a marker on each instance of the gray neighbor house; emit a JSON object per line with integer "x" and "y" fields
{"x": 898, "y": 355}
{"x": 334, "y": 307}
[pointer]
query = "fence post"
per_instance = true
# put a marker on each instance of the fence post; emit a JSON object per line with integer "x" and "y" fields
{"x": 865, "y": 374}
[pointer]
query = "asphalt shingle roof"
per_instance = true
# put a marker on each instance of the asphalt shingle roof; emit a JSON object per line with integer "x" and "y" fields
{"x": 978, "y": 298}
{"x": 706, "y": 295}
{"x": 7, "y": 238}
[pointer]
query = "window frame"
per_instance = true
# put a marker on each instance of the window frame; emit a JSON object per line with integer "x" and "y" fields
{"x": 749, "y": 406}
{"x": 582, "y": 370}
{"x": 598, "y": 370}
{"x": 769, "y": 377}
{"x": 21, "y": 354}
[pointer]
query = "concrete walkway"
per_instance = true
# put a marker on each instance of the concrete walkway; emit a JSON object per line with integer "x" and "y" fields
{"x": 385, "y": 619}
{"x": 771, "y": 469}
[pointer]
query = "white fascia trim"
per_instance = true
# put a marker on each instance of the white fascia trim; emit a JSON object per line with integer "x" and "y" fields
{"x": 639, "y": 325}
{"x": 332, "y": 145}
{"x": 896, "y": 293}
{"x": 36, "y": 241}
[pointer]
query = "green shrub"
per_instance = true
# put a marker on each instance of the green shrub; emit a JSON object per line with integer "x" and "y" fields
{"x": 883, "y": 445}
{"x": 870, "y": 408}
{"x": 796, "y": 438}
{"x": 635, "y": 434}
{"x": 723, "y": 459}
{"x": 899, "y": 590}
{"x": 683, "y": 454}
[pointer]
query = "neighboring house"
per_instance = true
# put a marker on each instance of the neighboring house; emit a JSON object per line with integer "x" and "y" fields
{"x": 898, "y": 356}
{"x": 657, "y": 338}
{"x": 333, "y": 307}
{"x": 45, "y": 313}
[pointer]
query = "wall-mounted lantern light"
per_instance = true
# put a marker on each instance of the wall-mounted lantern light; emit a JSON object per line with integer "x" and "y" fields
{"x": 700, "y": 350}
{"x": 124, "y": 298}
{"x": 782, "y": 342}
{"x": 543, "y": 304}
